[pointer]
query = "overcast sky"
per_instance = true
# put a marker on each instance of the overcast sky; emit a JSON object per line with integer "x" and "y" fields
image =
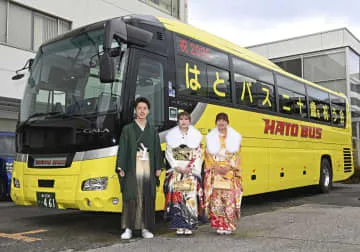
{"x": 259, "y": 21}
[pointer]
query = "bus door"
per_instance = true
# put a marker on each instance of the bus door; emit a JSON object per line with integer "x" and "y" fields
{"x": 147, "y": 77}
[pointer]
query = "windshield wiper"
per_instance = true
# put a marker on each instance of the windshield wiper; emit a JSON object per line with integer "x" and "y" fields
{"x": 60, "y": 115}
{"x": 63, "y": 115}
{"x": 27, "y": 121}
{"x": 42, "y": 114}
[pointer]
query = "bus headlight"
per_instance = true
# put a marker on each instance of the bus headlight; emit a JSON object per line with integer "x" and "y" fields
{"x": 9, "y": 166}
{"x": 16, "y": 183}
{"x": 95, "y": 184}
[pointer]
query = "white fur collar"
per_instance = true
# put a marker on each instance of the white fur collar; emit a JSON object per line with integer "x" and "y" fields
{"x": 192, "y": 139}
{"x": 232, "y": 141}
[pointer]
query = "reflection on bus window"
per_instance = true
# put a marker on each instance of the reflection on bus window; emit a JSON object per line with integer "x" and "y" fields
{"x": 150, "y": 84}
{"x": 254, "y": 93}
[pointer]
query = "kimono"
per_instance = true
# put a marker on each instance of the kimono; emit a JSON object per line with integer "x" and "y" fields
{"x": 223, "y": 192}
{"x": 139, "y": 156}
{"x": 183, "y": 205}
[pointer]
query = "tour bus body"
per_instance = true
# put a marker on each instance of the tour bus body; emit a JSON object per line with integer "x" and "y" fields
{"x": 81, "y": 90}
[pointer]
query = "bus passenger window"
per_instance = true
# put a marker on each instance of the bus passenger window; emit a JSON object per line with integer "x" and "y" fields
{"x": 150, "y": 84}
{"x": 338, "y": 111}
{"x": 254, "y": 93}
{"x": 292, "y": 103}
{"x": 319, "y": 105}
{"x": 218, "y": 84}
{"x": 191, "y": 77}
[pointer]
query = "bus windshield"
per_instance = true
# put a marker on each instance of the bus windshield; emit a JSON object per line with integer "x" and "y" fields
{"x": 65, "y": 78}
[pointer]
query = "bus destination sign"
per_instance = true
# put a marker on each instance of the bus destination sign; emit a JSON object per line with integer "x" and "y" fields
{"x": 201, "y": 52}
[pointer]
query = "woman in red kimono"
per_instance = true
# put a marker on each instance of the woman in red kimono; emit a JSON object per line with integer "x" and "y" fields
{"x": 223, "y": 183}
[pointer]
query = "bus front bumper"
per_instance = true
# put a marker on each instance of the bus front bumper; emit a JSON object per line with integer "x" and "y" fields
{"x": 29, "y": 186}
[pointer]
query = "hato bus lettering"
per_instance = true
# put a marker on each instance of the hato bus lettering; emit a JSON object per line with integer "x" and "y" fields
{"x": 275, "y": 127}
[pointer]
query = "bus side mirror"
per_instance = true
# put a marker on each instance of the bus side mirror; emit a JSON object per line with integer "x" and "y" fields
{"x": 107, "y": 67}
{"x": 28, "y": 66}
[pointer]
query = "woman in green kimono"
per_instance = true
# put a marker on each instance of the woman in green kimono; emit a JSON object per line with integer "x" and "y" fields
{"x": 139, "y": 163}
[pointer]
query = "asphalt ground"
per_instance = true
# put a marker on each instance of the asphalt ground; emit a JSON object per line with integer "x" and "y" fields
{"x": 292, "y": 220}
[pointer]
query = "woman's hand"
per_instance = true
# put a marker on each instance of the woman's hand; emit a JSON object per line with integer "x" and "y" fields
{"x": 222, "y": 170}
{"x": 157, "y": 173}
{"x": 237, "y": 213}
{"x": 121, "y": 172}
{"x": 185, "y": 170}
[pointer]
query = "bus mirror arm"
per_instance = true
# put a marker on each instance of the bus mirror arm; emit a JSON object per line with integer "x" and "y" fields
{"x": 18, "y": 75}
{"x": 118, "y": 28}
{"x": 114, "y": 27}
{"x": 138, "y": 36}
{"x": 125, "y": 32}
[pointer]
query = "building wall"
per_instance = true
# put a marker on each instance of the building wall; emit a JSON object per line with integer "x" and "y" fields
{"x": 83, "y": 12}
{"x": 310, "y": 43}
{"x": 75, "y": 13}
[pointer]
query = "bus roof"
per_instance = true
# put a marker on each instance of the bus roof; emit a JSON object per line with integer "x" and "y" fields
{"x": 217, "y": 42}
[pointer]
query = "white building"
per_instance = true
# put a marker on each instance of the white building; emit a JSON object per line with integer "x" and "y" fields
{"x": 330, "y": 59}
{"x": 26, "y": 24}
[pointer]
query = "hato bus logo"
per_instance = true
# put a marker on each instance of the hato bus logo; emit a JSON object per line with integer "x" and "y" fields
{"x": 275, "y": 127}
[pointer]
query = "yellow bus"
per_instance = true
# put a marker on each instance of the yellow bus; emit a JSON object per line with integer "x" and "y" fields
{"x": 82, "y": 86}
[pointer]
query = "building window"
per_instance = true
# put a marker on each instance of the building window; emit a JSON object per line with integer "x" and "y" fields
{"x": 19, "y": 27}
{"x": 335, "y": 85}
{"x": 354, "y": 129}
{"x": 355, "y": 101}
{"x": 355, "y": 114}
{"x": 45, "y": 28}
{"x": 26, "y": 28}
{"x": 170, "y": 7}
{"x": 326, "y": 67}
{"x": 354, "y": 66}
{"x": 355, "y": 88}
{"x": 3, "y": 8}
{"x": 292, "y": 66}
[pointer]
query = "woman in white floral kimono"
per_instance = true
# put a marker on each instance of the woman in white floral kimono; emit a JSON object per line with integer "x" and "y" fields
{"x": 182, "y": 187}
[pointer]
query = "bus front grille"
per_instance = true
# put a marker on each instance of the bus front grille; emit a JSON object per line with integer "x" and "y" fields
{"x": 347, "y": 160}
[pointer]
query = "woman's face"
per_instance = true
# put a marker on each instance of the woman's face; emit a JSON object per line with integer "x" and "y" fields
{"x": 184, "y": 122}
{"x": 141, "y": 110}
{"x": 221, "y": 124}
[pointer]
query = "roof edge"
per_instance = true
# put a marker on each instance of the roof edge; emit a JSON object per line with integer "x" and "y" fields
{"x": 304, "y": 36}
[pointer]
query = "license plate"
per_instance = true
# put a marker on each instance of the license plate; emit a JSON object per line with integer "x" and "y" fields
{"x": 45, "y": 199}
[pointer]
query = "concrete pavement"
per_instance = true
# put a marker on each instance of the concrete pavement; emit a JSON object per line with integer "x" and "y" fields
{"x": 307, "y": 227}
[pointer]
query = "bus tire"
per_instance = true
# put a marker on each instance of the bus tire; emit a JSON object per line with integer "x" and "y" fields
{"x": 325, "y": 182}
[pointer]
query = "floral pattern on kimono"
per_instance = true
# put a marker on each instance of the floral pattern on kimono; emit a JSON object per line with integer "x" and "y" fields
{"x": 223, "y": 205}
{"x": 184, "y": 206}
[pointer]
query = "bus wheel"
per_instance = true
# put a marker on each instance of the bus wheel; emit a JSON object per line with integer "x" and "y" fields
{"x": 325, "y": 181}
